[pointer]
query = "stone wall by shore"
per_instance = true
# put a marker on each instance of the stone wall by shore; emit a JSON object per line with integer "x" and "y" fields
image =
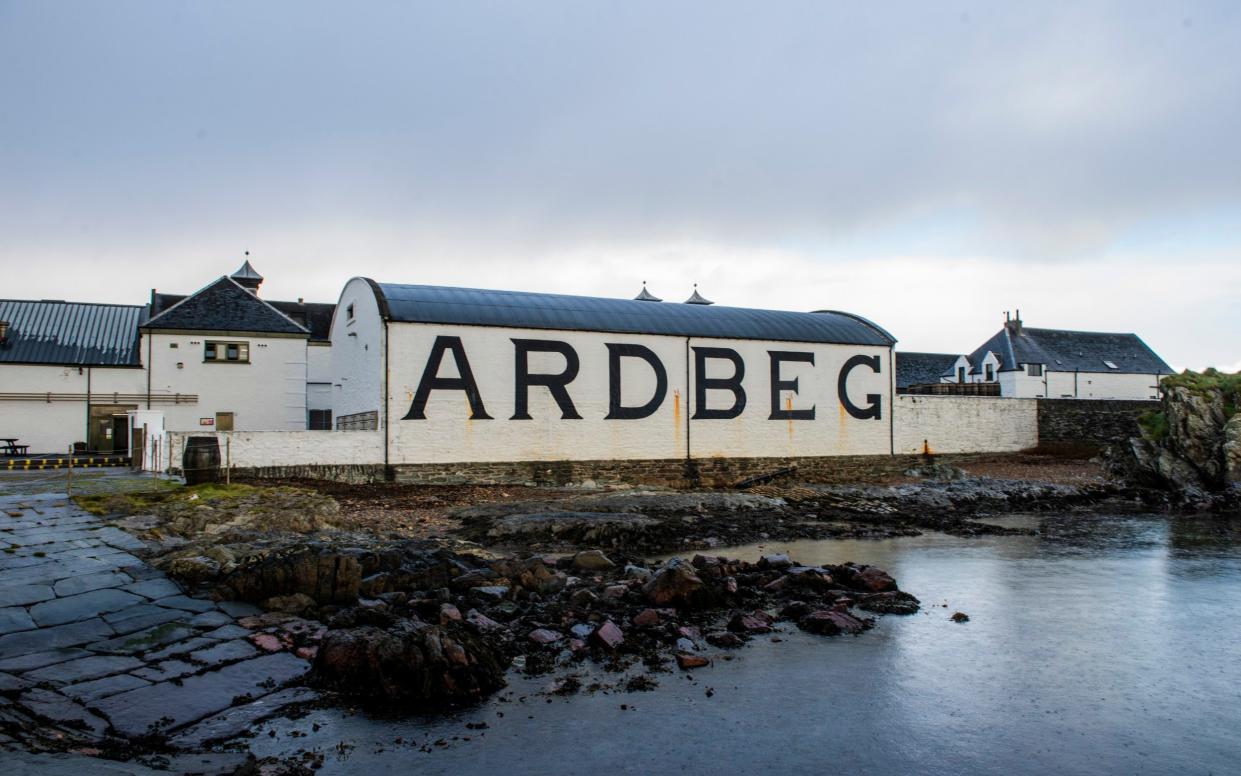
{"x": 1089, "y": 421}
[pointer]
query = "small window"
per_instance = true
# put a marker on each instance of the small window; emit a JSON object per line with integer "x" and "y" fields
{"x": 990, "y": 373}
{"x": 1034, "y": 370}
{"x": 319, "y": 420}
{"x": 1110, "y": 364}
{"x": 960, "y": 374}
{"x": 224, "y": 421}
{"x": 227, "y": 352}
{"x": 349, "y": 312}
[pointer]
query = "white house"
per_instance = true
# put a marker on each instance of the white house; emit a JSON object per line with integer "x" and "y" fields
{"x": 246, "y": 360}
{"x": 469, "y": 375}
{"x": 1056, "y": 363}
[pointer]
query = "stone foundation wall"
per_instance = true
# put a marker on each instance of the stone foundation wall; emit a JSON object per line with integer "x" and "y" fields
{"x": 670, "y": 472}
{"x": 1089, "y": 421}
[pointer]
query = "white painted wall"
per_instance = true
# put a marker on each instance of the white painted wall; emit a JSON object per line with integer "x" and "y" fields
{"x": 287, "y": 448}
{"x": 832, "y": 432}
{"x": 449, "y": 434}
{"x": 964, "y": 424}
{"x": 318, "y": 376}
{"x": 266, "y": 394}
{"x": 356, "y": 354}
{"x": 1097, "y": 385}
{"x": 53, "y": 427}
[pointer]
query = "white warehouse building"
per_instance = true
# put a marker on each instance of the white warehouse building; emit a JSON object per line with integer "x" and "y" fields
{"x": 467, "y": 375}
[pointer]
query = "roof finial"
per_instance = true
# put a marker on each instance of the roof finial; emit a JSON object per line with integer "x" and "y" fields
{"x": 646, "y": 296}
{"x": 697, "y": 298}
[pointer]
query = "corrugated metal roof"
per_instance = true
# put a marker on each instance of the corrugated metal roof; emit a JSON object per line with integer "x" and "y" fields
{"x": 70, "y": 333}
{"x": 525, "y": 310}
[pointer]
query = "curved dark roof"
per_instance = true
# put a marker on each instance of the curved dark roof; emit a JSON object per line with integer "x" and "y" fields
{"x": 70, "y": 333}
{"x": 525, "y": 310}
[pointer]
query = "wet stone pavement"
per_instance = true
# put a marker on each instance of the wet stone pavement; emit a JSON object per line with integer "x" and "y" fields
{"x": 97, "y": 648}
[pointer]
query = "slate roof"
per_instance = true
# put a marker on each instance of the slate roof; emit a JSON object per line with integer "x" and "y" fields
{"x": 71, "y": 333}
{"x": 224, "y": 306}
{"x": 922, "y": 368}
{"x": 524, "y": 310}
{"x": 1069, "y": 351}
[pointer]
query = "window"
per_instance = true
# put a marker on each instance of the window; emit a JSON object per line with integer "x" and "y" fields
{"x": 349, "y": 312}
{"x": 234, "y": 352}
{"x": 960, "y": 374}
{"x": 1110, "y": 364}
{"x": 1034, "y": 370}
{"x": 990, "y": 373}
{"x": 224, "y": 421}
{"x": 319, "y": 420}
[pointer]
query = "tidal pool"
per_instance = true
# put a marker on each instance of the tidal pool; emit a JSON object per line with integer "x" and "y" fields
{"x": 1105, "y": 645}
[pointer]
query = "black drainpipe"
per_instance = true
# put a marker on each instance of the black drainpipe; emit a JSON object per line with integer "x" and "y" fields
{"x": 688, "y": 391}
{"x": 87, "y": 437}
{"x": 891, "y": 401}
{"x": 388, "y": 474}
{"x": 149, "y": 366}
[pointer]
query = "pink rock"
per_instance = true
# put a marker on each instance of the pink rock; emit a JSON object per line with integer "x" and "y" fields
{"x": 544, "y": 636}
{"x": 608, "y": 636}
{"x": 307, "y": 653}
{"x": 449, "y": 613}
{"x": 267, "y": 642}
{"x": 687, "y": 662}
{"x": 646, "y": 617}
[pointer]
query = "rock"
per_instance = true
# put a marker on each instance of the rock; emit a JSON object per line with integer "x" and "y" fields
{"x": 724, "y": 639}
{"x": 685, "y": 645}
{"x": 409, "y": 662}
{"x": 449, "y": 613}
{"x": 491, "y": 592}
{"x": 267, "y": 642}
{"x": 592, "y": 560}
{"x": 675, "y": 584}
{"x": 607, "y": 636}
{"x": 290, "y": 604}
{"x": 639, "y": 573}
{"x": 894, "y": 602}
{"x": 830, "y": 622}
{"x": 754, "y": 622}
{"x": 544, "y": 636}
{"x": 779, "y": 561}
{"x": 582, "y": 630}
{"x": 481, "y": 622}
{"x": 960, "y": 617}
{"x": 325, "y": 575}
{"x": 646, "y": 617}
{"x": 875, "y": 580}
{"x": 686, "y": 662}
{"x": 615, "y": 592}
{"x": 583, "y": 599}
{"x": 193, "y": 570}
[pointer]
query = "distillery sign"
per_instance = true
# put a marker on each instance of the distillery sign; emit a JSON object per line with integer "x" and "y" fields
{"x": 624, "y": 406}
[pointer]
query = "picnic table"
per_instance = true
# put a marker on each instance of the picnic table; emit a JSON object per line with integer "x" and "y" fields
{"x": 10, "y": 447}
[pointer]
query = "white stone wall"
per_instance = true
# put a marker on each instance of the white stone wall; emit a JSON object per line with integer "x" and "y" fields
{"x": 266, "y": 394}
{"x": 1101, "y": 385}
{"x": 448, "y": 433}
{"x": 53, "y": 427}
{"x": 246, "y": 449}
{"x": 964, "y": 424}
{"x": 357, "y": 352}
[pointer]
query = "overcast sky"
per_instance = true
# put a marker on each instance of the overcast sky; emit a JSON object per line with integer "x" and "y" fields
{"x": 927, "y": 165}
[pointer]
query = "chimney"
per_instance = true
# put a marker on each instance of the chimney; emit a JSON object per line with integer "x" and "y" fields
{"x": 1013, "y": 324}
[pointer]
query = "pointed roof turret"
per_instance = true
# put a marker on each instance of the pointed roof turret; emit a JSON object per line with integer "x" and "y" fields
{"x": 646, "y": 296}
{"x": 697, "y": 298}
{"x": 247, "y": 277}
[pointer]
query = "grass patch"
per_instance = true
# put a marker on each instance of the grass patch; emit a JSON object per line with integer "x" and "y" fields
{"x": 1211, "y": 380}
{"x": 160, "y": 493}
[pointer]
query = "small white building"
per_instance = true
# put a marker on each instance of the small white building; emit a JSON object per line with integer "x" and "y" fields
{"x": 468, "y": 375}
{"x": 1062, "y": 364}
{"x": 69, "y": 373}
{"x": 246, "y": 361}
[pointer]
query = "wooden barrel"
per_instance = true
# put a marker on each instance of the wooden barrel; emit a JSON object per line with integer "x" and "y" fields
{"x": 201, "y": 460}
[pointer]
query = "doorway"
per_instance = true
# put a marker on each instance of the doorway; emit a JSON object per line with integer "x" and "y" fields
{"x": 108, "y": 429}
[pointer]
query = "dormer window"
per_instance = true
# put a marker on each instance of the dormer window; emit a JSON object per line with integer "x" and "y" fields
{"x": 960, "y": 374}
{"x": 1110, "y": 364}
{"x": 1034, "y": 370}
{"x": 989, "y": 373}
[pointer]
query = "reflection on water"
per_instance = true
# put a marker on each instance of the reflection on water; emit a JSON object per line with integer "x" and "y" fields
{"x": 1104, "y": 645}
